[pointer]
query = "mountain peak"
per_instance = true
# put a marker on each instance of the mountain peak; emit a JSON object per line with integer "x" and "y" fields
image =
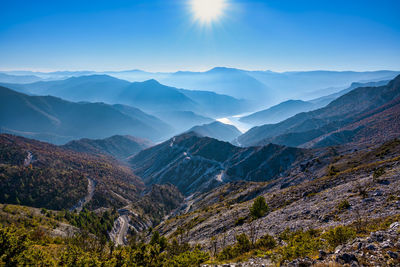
{"x": 222, "y": 69}
{"x": 152, "y": 82}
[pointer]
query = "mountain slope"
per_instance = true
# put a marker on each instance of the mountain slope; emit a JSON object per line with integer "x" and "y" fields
{"x": 148, "y": 95}
{"x": 217, "y": 130}
{"x": 117, "y": 146}
{"x": 194, "y": 163}
{"x": 278, "y": 112}
{"x": 310, "y": 125}
{"x": 228, "y": 81}
{"x": 182, "y": 120}
{"x": 6, "y": 78}
{"x": 42, "y": 175}
{"x": 100, "y": 88}
{"x": 290, "y": 108}
{"x": 298, "y": 84}
{"x": 378, "y": 125}
{"x": 153, "y": 96}
{"x": 56, "y": 120}
{"x": 217, "y": 105}
{"x": 325, "y": 100}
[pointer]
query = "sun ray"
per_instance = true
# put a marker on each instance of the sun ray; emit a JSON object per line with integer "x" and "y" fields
{"x": 207, "y": 11}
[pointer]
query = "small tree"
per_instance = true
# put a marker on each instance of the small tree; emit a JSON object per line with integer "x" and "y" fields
{"x": 259, "y": 208}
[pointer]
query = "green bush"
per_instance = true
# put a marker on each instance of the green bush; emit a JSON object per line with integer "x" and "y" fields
{"x": 299, "y": 244}
{"x": 332, "y": 171}
{"x": 241, "y": 246}
{"x": 240, "y": 221}
{"x": 339, "y": 235}
{"x": 343, "y": 205}
{"x": 266, "y": 242}
{"x": 378, "y": 172}
{"x": 259, "y": 208}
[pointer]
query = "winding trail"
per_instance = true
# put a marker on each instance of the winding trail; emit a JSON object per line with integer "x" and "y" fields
{"x": 82, "y": 202}
{"x": 120, "y": 228}
{"x": 28, "y": 159}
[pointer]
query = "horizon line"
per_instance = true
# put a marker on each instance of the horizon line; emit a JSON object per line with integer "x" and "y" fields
{"x": 48, "y": 71}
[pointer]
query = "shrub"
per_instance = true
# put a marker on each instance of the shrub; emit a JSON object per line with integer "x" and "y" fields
{"x": 259, "y": 208}
{"x": 339, "y": 235}
{"x": 266, "y": 242}
{"x": 299, "y": 244}
{"x": 188, "y": 258}
{"x": 378, "y": 172}
{"x": 332, "y": 171}
{"x": 343, "y": 205}
{"x": 241, "y": 246}
{"x": 240, "y": 221}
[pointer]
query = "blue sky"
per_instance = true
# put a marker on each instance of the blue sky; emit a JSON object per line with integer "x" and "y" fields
{"x": 161, "y": 35}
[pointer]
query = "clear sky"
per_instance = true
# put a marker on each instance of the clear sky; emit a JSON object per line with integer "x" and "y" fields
{"x": 162, "y": 35}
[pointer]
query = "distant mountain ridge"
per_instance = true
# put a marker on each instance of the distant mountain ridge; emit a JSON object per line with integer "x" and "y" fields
{"x": 217, "y": 130}
{"x": 7, "y": 78}
{"x": 290, "y": 108}
{"x": 55, "y": 120}
{"x": 278, "y": 112}
{"x": 117, "y": 146}
{"x": 182, "y": 120}
{"x": 149, "y": 95}
{"x": 304, "y": 127}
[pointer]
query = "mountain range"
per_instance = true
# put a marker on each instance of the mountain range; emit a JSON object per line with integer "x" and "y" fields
{"x": 290, "y": 108}
{"x": 263, "y": 88}
{"x": 347, "y": 110}
{"x": 195, "y": 197}
{"x": 195, "y": 164}
{"x": 58, "y": 121}
{"x": 150, "y": 95}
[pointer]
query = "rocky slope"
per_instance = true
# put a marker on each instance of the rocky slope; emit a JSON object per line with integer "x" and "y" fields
{"x": 194, "y": 163}
{"x": 367, "y": 180}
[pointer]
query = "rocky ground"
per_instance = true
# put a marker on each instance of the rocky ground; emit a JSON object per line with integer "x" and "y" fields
{"x": 369, "y": 181}
{"x": 317, "y": 208}
{"x": 380, "y": 248}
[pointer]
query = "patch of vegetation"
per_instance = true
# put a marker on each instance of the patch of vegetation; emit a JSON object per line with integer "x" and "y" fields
{"x": 299, "y": 244}
{"x": 332, "y": 171}
{"x": 378, "y": 172}
{"x": 241, "y": 246}
{"x": 57, "y": 178}
{"x": 22, "y": 247}
{"x": 259, "y": 208}
{"x": 97, "y": 224}
{"x": 343, "y": 205}
{"x": 266, "y": 242}
{"x": 240, "y": 221}
{"x": 339, "y": 235}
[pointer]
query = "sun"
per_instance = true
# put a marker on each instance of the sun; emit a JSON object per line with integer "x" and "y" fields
{"x": 207, "y": 11}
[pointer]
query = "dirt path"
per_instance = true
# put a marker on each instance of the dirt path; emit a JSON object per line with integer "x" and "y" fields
{"x": 120, "y": 230}
{"x": 91, "y": 186}
{"x": 28, "y": 159}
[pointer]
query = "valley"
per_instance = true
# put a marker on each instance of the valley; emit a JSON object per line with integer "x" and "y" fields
{"x": 184, "y": 182}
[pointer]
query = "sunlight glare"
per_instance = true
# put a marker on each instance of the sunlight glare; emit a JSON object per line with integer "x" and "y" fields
{"x": 207, "y": 11}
